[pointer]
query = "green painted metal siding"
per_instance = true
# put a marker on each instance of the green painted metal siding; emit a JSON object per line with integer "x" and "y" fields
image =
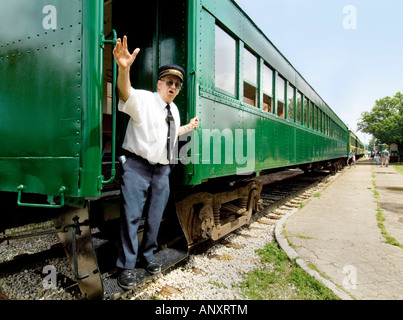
{"x": 50, "y": 92}
{"x": 92, "y": 91}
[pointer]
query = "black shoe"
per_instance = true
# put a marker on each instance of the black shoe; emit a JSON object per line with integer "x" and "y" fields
{"x": 126, "y": 279}
{"x": 153, "y": 267}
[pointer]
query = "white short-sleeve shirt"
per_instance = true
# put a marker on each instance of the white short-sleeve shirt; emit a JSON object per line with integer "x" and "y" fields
{"x": 146, "y": 133}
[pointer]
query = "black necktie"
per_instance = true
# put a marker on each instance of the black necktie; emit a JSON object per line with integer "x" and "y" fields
{"x": 171, "y": 132}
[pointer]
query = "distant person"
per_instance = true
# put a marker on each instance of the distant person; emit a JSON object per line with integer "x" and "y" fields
{"x": 385, "y": 157}
{"x": 377, "y": 158}
{"x": 351, "y": 158}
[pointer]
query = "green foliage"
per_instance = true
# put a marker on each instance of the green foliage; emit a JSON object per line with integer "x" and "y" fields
{"x": 385, "y": 120}
{"x": 398, "y": 167}
{"x": 282, "y": 279}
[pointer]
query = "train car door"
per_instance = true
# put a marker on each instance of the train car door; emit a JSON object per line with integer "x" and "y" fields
{"x": 50, "y": 123}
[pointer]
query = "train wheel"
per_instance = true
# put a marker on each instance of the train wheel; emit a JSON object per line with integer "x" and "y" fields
{"x": 207, "y": 215}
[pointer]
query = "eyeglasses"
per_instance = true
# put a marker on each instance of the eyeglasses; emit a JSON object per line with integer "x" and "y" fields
{"x": 170, "y": 82}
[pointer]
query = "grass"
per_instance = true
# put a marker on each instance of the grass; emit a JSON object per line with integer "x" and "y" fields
{"x": 282, "y": 279}
{"x": 398, "y": 167}
{"x": 381, "y": 218}
{"x": 388, "y": 238}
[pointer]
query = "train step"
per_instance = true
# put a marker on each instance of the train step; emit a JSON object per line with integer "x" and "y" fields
{"x": 167, "y": 258}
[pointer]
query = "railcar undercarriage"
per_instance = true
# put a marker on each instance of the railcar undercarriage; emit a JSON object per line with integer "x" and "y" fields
{"x": 206, "y": 215}
{"x": 89, "y": 234}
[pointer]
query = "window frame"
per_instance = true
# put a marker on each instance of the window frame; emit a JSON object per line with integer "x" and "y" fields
{"x": 265, "y": 93}
{"x": 291, "y": 104}
{"x": 248, "y": 82}
{"x": 233, "y": 94}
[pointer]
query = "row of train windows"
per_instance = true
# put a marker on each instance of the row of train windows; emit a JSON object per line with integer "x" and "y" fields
{"x": 290, "y": 103}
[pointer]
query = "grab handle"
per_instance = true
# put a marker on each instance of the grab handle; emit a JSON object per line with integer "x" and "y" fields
{"x": 62, "y": 192}
{"x": 113, "y": 146}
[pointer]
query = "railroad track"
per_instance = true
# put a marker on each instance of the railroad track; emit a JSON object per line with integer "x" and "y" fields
{"x": 23, "y": 276}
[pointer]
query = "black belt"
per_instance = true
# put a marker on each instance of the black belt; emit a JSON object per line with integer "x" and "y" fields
{"x": 131, "y": 155}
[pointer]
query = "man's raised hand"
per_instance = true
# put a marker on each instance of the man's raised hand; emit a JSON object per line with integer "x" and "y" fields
{"x": 122, "y": 55}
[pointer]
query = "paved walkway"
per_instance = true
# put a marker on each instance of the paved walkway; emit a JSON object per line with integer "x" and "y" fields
{"x": 338, "y": 233}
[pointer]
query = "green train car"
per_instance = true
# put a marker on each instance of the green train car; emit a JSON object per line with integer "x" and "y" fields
{"x": 356, "y": 144}
{"x": 62, "y": 135}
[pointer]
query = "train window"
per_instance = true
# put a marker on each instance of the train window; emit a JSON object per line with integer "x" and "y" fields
{"x": 324, "y": 123}
{"x": 268, "y": 80}
{"x": 280, "y": 93}
{"x": 291, "y": 102}
{"x": 320, "y": 120}
{"x": 250, "y": 67}
{"x": 225, "y": 61}
{"x": 250, "y": 77}
{"x": 249, "y": 94}
{"x": 280, "y": 109}
{"x": 299, "y": 107}
{"x": 311, "y": 115}
{"x": 327, "y": 125}
{"x": 305, "y": 113}
{"x": 267, "y": 74}
{"x": 267, "y": 103}
{"x": 315, "y": 124}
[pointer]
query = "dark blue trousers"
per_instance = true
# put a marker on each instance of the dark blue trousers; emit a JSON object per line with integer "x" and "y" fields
{"x": 141, "y": 180}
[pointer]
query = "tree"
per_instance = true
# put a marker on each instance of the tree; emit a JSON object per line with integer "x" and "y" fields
{"x": 372, "y": 143}
{"x": 385, "y": 120}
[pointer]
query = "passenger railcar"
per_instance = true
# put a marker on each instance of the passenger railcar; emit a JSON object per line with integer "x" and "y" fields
{"x": 356, "y": 144}
{"x": 63, "y": 135}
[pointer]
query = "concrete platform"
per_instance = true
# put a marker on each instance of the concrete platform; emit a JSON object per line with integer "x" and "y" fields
{"x": 338, "y": 234}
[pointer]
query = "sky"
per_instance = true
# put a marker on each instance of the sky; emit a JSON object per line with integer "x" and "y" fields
{"x": 350, "y": 52}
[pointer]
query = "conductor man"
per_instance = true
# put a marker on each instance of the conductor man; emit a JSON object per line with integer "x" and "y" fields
{"x": 151, "y": 133}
